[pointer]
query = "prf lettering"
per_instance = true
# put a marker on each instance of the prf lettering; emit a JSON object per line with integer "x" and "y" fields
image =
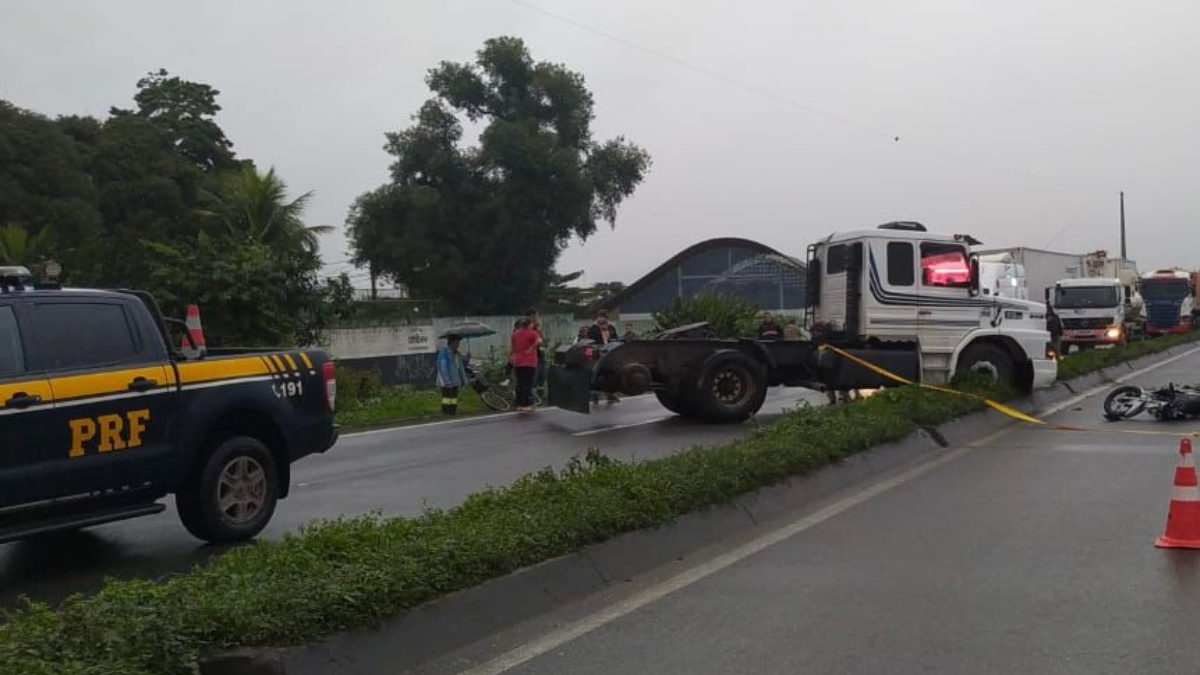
{"x": 112, "y": 432}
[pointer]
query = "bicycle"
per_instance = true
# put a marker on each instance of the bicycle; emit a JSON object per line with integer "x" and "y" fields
{"x": 499, "y": 396}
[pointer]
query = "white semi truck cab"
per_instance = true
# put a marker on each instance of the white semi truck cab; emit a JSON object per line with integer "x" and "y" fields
{"x": 897, "y": 297}
{"x": 900, "y": 287}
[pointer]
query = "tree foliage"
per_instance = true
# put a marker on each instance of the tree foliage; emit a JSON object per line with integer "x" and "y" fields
{"x": 730, "y": 316}
{"x": 479, "y": 227}
{"x": 154, "y": 197}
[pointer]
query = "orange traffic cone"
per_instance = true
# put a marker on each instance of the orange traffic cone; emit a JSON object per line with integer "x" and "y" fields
{"x": 196, "y": 331}
{"x": 1183, "y": 520}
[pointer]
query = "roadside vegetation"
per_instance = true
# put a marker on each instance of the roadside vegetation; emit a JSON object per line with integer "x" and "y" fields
{"x": 1083, "y": 363}
{"x": 349, "y": 573}
{"x": 363, "y": 401}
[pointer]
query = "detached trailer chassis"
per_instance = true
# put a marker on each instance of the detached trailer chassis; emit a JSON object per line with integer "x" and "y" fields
{"x": 698, "y": 376}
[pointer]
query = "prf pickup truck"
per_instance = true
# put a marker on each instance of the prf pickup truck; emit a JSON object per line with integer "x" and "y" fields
{"x": 100, "y": 418}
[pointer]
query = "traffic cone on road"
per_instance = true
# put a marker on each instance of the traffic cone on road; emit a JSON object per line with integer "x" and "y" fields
{"x": 196, "y": 331}
{"x": 1183, "y": 519}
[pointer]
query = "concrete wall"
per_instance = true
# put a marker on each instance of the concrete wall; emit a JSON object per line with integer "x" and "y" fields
{"x": 405, "y": 354}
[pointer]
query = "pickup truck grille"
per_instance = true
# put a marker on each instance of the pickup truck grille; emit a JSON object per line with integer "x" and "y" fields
{"x": 1087, "y": 323}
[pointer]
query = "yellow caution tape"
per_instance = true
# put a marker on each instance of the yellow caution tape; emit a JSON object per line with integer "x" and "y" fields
{"x": 996, "y": 405}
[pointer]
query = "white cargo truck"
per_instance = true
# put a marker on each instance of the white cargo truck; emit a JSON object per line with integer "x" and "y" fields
{"x": 1042, "y": 269}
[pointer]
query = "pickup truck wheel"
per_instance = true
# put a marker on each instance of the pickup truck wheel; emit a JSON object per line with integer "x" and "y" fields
{"x": 731, "y": 387}
{"x": 233, "y": 495}
{"x": 991, "y": 360}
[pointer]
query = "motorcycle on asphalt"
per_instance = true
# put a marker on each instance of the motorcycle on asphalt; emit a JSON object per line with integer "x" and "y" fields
{"x": 1172, "y": 402}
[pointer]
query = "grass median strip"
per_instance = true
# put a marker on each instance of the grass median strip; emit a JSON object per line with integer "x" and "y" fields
{"x": 1083, "y": 363}
{"x": 354, "y": 572}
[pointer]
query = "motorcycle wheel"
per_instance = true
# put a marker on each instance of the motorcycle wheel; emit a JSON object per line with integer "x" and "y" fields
{"x": 1124, "y": 403}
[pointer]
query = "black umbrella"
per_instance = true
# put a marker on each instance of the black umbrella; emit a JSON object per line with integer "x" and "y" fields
{"x": 470, "y": 329}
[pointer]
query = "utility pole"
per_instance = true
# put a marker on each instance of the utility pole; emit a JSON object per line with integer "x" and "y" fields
{"x": 1123, "y": 252}
{"x": 375, "y": 290}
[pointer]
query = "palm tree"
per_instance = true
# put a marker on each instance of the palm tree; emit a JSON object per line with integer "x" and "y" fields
{"x": 18, "y": 247}
{"x": 255, "y": 206}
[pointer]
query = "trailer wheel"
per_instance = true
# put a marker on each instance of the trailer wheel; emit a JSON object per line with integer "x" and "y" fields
{"x": 731, "y": 387}
{"x": 990, "y": 359}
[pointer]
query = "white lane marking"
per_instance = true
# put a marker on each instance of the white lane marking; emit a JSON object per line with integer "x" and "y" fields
{"x": 630, "y": 425}
{"x": 572, "y": 631}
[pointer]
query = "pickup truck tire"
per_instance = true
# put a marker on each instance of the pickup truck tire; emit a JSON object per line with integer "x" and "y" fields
{"x": 990, "y": 359}
{"x": 731, "y": 387}
{"x": 233, "y": 495}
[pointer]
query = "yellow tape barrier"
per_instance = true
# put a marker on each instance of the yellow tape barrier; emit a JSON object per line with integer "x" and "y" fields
{"x": 996, "y": 405}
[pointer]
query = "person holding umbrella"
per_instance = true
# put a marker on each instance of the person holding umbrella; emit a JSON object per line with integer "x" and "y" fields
{"x": 451, "y": 373}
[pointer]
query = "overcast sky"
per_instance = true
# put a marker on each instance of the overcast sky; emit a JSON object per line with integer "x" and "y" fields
{"x": 776, "y": 120}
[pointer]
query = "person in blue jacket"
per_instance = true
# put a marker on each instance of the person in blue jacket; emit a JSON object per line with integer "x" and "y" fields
{"x": 451, "y": 373}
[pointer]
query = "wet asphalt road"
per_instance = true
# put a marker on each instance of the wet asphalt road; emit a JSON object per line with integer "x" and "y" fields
{"x": 398, "y": 471}
{"x": 1030, "y": 553}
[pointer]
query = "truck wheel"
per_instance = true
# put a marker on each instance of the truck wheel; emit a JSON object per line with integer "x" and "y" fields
{"x": 233, "y": 495}
{"x": 675, "y": 401}
{"x": 731, "y": 387}
{"x": 989, "y": 359}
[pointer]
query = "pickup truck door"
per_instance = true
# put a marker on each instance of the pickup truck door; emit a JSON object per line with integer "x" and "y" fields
{"x": 115, "y": 394}
{"x": 26, "y": 403}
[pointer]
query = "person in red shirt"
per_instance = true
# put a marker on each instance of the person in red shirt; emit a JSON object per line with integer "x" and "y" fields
{"x": 524, "y": 359}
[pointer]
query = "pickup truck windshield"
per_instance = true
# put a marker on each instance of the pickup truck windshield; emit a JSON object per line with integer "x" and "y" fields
{"x": 1083, "y": 297}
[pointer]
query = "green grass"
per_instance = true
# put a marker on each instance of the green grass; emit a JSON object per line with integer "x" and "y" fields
{"x": 1083, "y": 363}
{"x": 353, "y": 573}
{"x": 395, "y": 405}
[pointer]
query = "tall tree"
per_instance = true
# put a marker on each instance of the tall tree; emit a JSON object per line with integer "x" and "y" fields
{"x": 43, "y": 181}
{"x": 480, "y": 227}
{"x": 255, "y": 207}
{"x": 187, "y": 110}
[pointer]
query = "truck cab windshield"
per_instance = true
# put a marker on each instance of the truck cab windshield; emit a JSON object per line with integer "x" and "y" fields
{"x": 1083, "y": 297}
{"x": 1170, "y": 289}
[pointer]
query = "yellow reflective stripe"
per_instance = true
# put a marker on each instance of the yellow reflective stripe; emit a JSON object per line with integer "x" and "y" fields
{"x": 268, "y": 364}
{"x": 109, "y": 382}
{"x": 278, "y": 363}
{"x": 39, "y": 387}
{"x": 307, "y": 361}
{"x": 221, "y": 369}
{"x": 291, "y": 362}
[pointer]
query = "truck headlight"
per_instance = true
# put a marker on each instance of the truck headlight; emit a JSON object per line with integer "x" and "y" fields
{"x": 1113, "y": 332}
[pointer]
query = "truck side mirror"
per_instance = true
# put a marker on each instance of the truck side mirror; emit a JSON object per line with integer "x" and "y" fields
{"x": 974, "y": 287}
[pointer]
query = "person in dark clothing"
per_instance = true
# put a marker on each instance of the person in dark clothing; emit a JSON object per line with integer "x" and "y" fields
{"x": 769, "y": 329}
{"x": 602, "y": 332}
{"x": 1055, "y": 327}
{"x": 630, "y": 334}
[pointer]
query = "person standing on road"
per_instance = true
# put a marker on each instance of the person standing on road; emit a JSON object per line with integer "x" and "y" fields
{"x": 524, "y": 357}
{"x": 630, "y": 334}
{"x": 602, "y": 332}
{"x": 451, "y": 373}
